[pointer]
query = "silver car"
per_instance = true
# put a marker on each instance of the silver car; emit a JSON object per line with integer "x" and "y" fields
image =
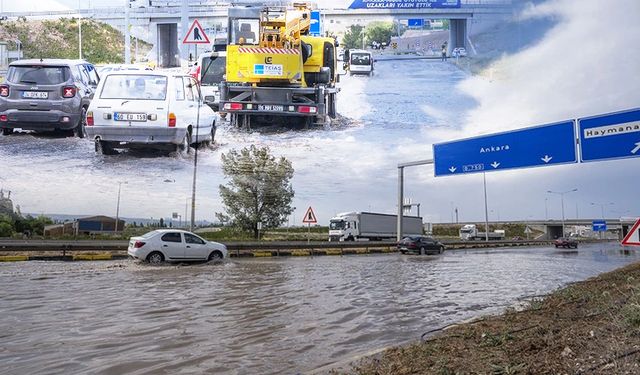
{"x": 46, "y": 95}
{"x": 174, "y": 245}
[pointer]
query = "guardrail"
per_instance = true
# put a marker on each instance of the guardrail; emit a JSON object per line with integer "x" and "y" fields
{"x": 256, "y": 249}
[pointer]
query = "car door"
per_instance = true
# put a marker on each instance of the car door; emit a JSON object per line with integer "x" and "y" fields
{"x": 195, "y": 247}
{"x": 428, "y": 243}
{"x": 172, "y": 245}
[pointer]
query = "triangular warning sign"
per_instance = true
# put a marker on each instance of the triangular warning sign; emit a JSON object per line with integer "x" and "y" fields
{"x": 633, "y": 237}
{"x": 309, "y": 217}
{"x": 196, "y": 35}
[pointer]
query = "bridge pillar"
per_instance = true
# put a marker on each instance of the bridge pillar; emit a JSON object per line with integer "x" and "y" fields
{"x": 457, "y": 34}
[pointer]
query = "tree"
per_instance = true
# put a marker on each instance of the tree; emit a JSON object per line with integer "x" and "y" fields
{"x": 259, "y": 189}
{"x": 380, "y": 32}
{"x": 353, "y": 37}
{"x": 161, "y": 223}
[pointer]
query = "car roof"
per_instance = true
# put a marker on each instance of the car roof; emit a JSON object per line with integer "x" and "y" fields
{"x": 146, "y": 73}
{"x": 48, "y": 62}
{"x": 165, "y": 230}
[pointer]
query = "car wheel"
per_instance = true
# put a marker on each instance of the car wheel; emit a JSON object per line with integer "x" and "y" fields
{"x": 79, "y": 130}
{"x": 213, "y": 132}
{"x": 556, "y": 246}
{"x": 103, "y": 147}
{"x": 422, "y": 252}
{"x": 7, "y": 131}
{"x": 185, "y": 146}
{"x": 155, "y": 257}
{"x": 215, "y": 256}
{"x": 441, "y": 250}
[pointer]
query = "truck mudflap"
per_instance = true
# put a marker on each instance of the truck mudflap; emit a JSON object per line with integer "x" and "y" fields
{"x": 244, "y": 102}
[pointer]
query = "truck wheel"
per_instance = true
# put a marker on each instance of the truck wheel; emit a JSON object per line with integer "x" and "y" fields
{"x": 350, "y": 238}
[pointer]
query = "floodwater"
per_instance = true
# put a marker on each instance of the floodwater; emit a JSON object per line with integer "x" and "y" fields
{"x": 384, "y": 120}
{"x": 263, "y": 316}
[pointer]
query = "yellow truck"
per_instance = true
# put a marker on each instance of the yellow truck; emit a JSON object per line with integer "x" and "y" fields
{"x": 276, "y": 73}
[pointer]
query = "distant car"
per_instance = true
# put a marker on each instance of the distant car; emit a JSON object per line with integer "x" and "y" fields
{"x": 149, "y": 109}
{"x": 420, "y": 245}
{"x": 173, "y": 245}
{"x": 459, "y": 52}
{"x": 47, "y": 95}
{"x": 566, "y": 242}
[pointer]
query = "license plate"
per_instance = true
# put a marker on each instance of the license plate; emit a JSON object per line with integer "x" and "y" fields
{"x": 130, "y": 117}
{"x": 268, "y": 107}
{"x": 35, "y": 94}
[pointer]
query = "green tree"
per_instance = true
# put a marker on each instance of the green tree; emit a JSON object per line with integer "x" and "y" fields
{"x": 380, "y": 32}
{"x": 353, "y": 37}
{"x": 259, "y": 189}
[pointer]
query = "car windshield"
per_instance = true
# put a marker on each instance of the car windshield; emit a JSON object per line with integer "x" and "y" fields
{"x": 134, "y": 87}
{"x": 38, "y": 74}
{"x": 213, "y": 70}
{"x": 360, "y": 59}
{"x": 336, "y": 225}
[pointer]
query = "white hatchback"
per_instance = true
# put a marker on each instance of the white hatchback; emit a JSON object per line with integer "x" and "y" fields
{"x": 141, "y": 109}
{"x": 174, "y": 245}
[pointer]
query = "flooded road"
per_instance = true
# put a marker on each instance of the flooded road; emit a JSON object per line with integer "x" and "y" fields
{"x": 264, "y": 316}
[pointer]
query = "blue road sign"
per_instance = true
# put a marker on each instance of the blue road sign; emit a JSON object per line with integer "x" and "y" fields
{"x": 531, "y": 147}
{"x": 314, "y": 29}
{"x": 610, "y": 136}
{"x": 415, "y": 22}
{"x": 599, "y": 226}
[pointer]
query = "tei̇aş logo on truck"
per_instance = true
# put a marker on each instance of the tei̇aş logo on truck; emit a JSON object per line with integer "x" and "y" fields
{"x": 267, "y": 70}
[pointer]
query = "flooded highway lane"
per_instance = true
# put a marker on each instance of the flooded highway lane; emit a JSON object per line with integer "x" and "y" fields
{"x": 261, "y": 316}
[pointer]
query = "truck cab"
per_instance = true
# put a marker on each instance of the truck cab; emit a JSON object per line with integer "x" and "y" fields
{"x": 343, "y": 228}
{"x": 212, "y": 70}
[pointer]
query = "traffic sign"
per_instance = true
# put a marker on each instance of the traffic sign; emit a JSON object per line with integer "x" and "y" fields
{"x": 415, "y": 22}
{"x": 309, "y": 216}
{"x": 531, "y": 147}
{"x": 599, "y": 226}
{"x": 196, "y": 35}
{"x": 610, "y": 136}
{"x": 633, "y": 237}
{"x": 314, "y": 29}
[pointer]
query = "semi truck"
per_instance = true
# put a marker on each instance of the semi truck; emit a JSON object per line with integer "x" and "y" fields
{"x": 354, "y": 226}
{"x": 276, "y": 73}
{"x": 469, "y": 232}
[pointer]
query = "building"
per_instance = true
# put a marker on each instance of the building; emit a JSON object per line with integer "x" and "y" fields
{"x": 97, "y": 224}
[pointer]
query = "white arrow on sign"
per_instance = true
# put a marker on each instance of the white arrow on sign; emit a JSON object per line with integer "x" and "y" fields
{"x": 495, "y": 164}
{"x": 636, "y": 149}
{"x": 546, "y": 158}
{"x": 452, "y": 169}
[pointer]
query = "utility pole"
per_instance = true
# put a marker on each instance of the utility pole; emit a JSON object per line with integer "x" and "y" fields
{"x": 562, "y": 193}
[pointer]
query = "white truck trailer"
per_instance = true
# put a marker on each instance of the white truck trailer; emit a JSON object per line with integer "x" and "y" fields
{"x": 354, "y": 226}
{"x": 469, "y": 232}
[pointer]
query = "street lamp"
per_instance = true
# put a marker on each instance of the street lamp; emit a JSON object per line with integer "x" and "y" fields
{"x": 562, "y": 193}
{"x": 602, "y": 207}
{"x": 118, "y": 206}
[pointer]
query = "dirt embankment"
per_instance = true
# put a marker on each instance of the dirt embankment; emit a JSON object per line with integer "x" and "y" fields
{"x": 590, "y": 327}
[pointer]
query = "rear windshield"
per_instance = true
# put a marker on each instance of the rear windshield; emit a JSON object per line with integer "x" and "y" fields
{"x": 360, "y": 59}
{"x": 149, "y": 234}
{"x": 38, "y": 74}
{"x": 214, "y": 73}
{"x": 134, "y": 87}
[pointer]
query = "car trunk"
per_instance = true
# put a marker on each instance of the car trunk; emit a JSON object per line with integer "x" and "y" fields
{"x": 122, "y": 112}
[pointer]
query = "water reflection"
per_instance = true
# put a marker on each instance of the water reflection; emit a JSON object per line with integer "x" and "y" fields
{"x": 262, "y": 316}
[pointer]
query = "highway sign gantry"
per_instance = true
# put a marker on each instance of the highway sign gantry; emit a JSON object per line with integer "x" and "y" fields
{"x": 610, "y": 136}
{"x": 531, "y": 147}
{"x": 633, "y": 237}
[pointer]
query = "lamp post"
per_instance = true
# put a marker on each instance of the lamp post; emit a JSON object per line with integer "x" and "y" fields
{"x": 79, "y": 31}
{"x": 562, "y": 193}
{"x": 118, "y": 205}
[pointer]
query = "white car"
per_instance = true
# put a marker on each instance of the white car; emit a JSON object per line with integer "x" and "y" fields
{"x": 459, "y": 52}
{"x": 174, "y": 245}
{"x": 142, "y": 109}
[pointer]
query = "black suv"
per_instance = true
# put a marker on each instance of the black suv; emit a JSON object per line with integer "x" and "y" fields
{"x": 420, "y": 245}
{"x": 47, "y": 94}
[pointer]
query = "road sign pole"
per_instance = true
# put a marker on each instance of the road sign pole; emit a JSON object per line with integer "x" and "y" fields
{"x": 308, "y": 233}
{"x": 486, "y": 209}
{"x": 400, "y": 204}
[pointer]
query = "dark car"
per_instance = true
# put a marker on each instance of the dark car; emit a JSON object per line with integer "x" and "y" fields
{"x": 46, "y": 95}
{"x": 420, "y": 245}
{"x": 566, "y": 242}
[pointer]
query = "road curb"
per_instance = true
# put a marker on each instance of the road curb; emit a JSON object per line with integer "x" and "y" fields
{"x": 13, "y": 258}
